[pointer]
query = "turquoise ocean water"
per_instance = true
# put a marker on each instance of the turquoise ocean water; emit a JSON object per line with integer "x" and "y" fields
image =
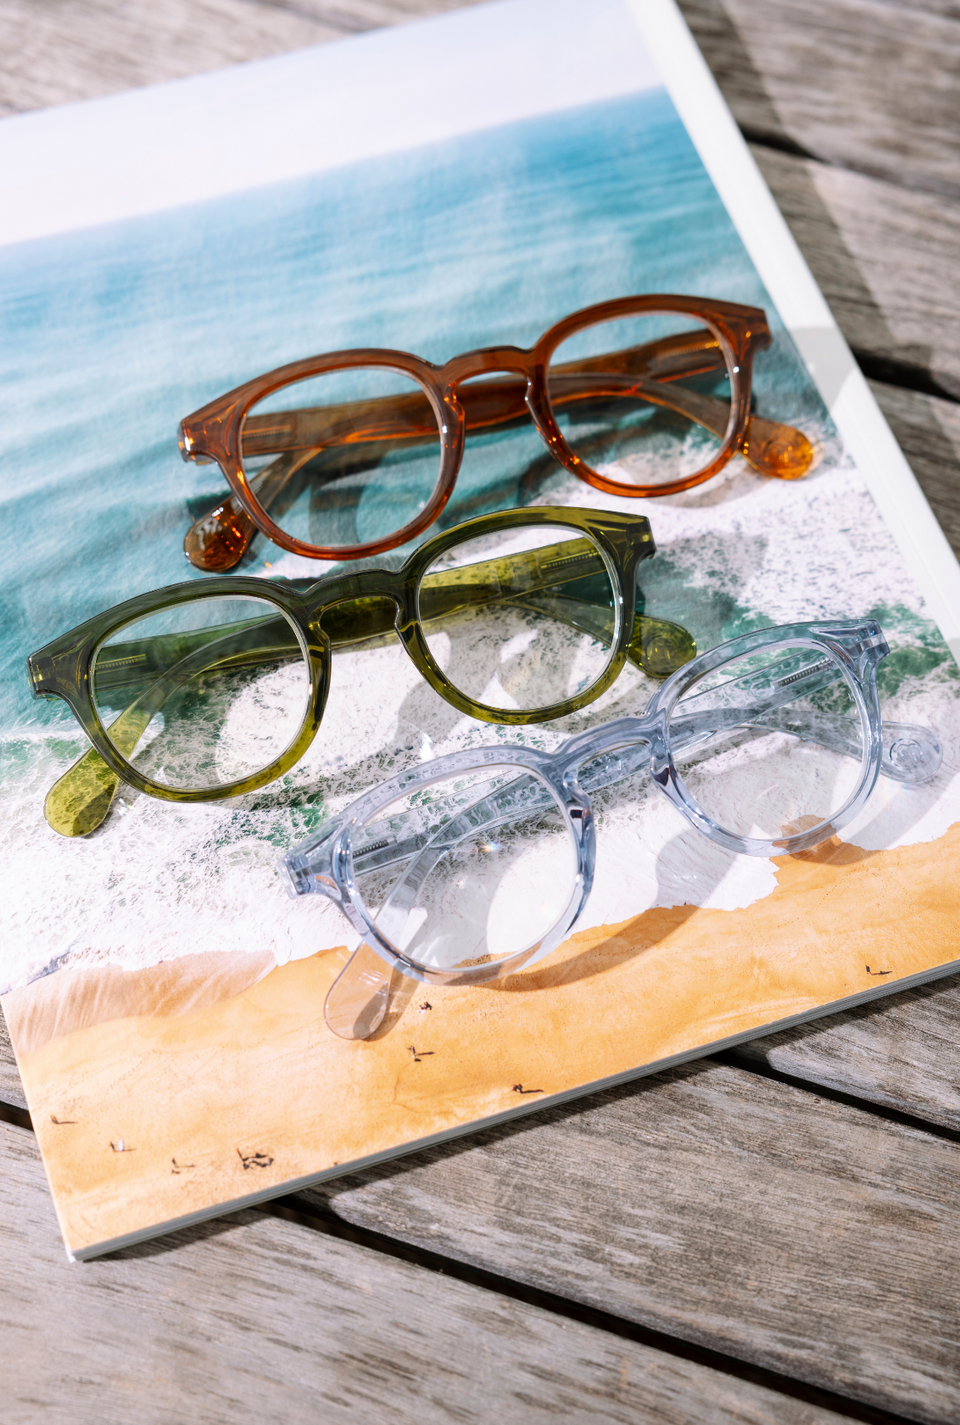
{"x": 110, "y": 336}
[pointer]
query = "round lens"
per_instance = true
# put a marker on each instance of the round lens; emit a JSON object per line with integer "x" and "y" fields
{"x": 522, "y": 619}
{"x": 471, "y": 871}
{"x": 204, "y": 694}
{"x": 645, "y": 400}
{"x": 771, "y": 744}
{"x": 349, "y": 457}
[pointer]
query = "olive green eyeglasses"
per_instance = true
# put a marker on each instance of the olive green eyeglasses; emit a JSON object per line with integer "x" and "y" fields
{"x": 211, "y": 689}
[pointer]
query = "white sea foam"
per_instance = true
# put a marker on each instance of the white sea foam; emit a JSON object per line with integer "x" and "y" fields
{"x": 160, "y": 880}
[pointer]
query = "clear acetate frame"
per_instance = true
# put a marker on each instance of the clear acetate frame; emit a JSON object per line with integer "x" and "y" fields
{"x": 778, "y": 686}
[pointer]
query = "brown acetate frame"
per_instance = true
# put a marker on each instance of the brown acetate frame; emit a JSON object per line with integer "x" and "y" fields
{"x": 221, "y": 431}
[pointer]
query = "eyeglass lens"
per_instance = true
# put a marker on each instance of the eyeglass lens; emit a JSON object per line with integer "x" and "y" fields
{"x": 345, "y": 458}
{"x": 523, "y": 618}
{"x": 642, "y": 400}
{"x": 472, "y": 870}
{"x": 203, "y": 694}
{"x": 770, "y": 744}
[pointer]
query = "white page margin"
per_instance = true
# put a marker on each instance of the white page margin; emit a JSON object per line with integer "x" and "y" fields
{"x": 310, "y": 110}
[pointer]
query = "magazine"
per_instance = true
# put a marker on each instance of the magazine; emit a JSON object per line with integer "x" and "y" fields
{"x": 459, "y": 183}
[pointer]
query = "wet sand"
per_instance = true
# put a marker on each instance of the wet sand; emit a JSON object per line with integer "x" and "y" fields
{"x": 228, "y": 1082}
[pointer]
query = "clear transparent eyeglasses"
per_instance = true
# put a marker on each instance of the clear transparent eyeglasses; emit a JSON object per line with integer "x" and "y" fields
{"x": 468, "y": 868}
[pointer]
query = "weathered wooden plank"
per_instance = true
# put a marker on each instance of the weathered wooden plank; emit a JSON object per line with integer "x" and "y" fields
{"x": 736, "y": 1212}
{"x": 51, "y": 53}
{"x": 866, "y": 84}
{"x": 727, "y": 1229}
{"x": 11, "y": 1089}
{"x": 928, "y": 431}
{"x": 887, "y": 260}
{"x": 255, "y": 1319}
{"x": 900, "y": 1052}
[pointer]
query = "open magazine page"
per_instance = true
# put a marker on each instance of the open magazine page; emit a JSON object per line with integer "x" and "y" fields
{"x": 164, "y": 996}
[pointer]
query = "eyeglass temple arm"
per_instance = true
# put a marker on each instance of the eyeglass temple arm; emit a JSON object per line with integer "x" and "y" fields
{"x": 775, "y": 449}
{"x": 771, "y": 447}
{"x": 79, "y": 801}
{"x": 910, "y": 754}
{"x": 357, "y": 1001}
{"x": 217, "y": 540}
{"x": 657, "y": 646}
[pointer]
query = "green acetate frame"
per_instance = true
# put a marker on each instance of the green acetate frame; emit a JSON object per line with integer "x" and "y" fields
{"x": 571, "y": 580}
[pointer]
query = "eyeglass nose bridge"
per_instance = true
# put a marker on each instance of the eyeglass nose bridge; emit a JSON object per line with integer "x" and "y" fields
{"x": 356, "y": 606}
{"x": 487, "y": 361}
{"x": 484, "y": 404}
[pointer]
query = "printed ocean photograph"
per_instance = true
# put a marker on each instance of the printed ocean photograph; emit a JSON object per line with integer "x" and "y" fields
{"x": 156, "y": 957}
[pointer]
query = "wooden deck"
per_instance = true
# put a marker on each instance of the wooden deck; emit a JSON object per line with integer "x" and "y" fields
{"x": 773, "y": 1236}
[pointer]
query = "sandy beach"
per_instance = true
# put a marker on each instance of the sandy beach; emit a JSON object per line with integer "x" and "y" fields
{"x": 226, "y": 1082}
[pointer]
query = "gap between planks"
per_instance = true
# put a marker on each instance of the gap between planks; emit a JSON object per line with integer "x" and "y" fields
{"x": 258, "y": 1318}
{"x": 868, "y": 85}
{"x": 615, "y": 1184}
{"x": 309, "y": 1214}
{"x": 735, "y": 1212}
{"x": 656, "y": 1109}
{"x": 888, "y": 262}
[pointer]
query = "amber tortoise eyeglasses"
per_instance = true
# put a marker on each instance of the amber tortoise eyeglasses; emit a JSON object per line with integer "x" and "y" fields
{"x": 349, "y": 454}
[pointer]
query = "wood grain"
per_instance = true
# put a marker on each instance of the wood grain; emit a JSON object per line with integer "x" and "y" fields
{"x": 735, "y": 1212}
{"x": 863, "y": 84}
{"x": 887, "y": 261}
{"x": 11, "y": 1089}
{"x": 899, "y": 1052}
{"x": 56, "y": 51}
{"x": 256, "y": 1074}
{"x": 928, "y": 431}
{"x": 256, "y": 1319}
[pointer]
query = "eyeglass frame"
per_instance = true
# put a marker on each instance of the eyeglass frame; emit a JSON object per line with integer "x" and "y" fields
{"x": 63, "y": 667}
{"x": 324, "y": 862}
{"x": 215, "y": 432}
